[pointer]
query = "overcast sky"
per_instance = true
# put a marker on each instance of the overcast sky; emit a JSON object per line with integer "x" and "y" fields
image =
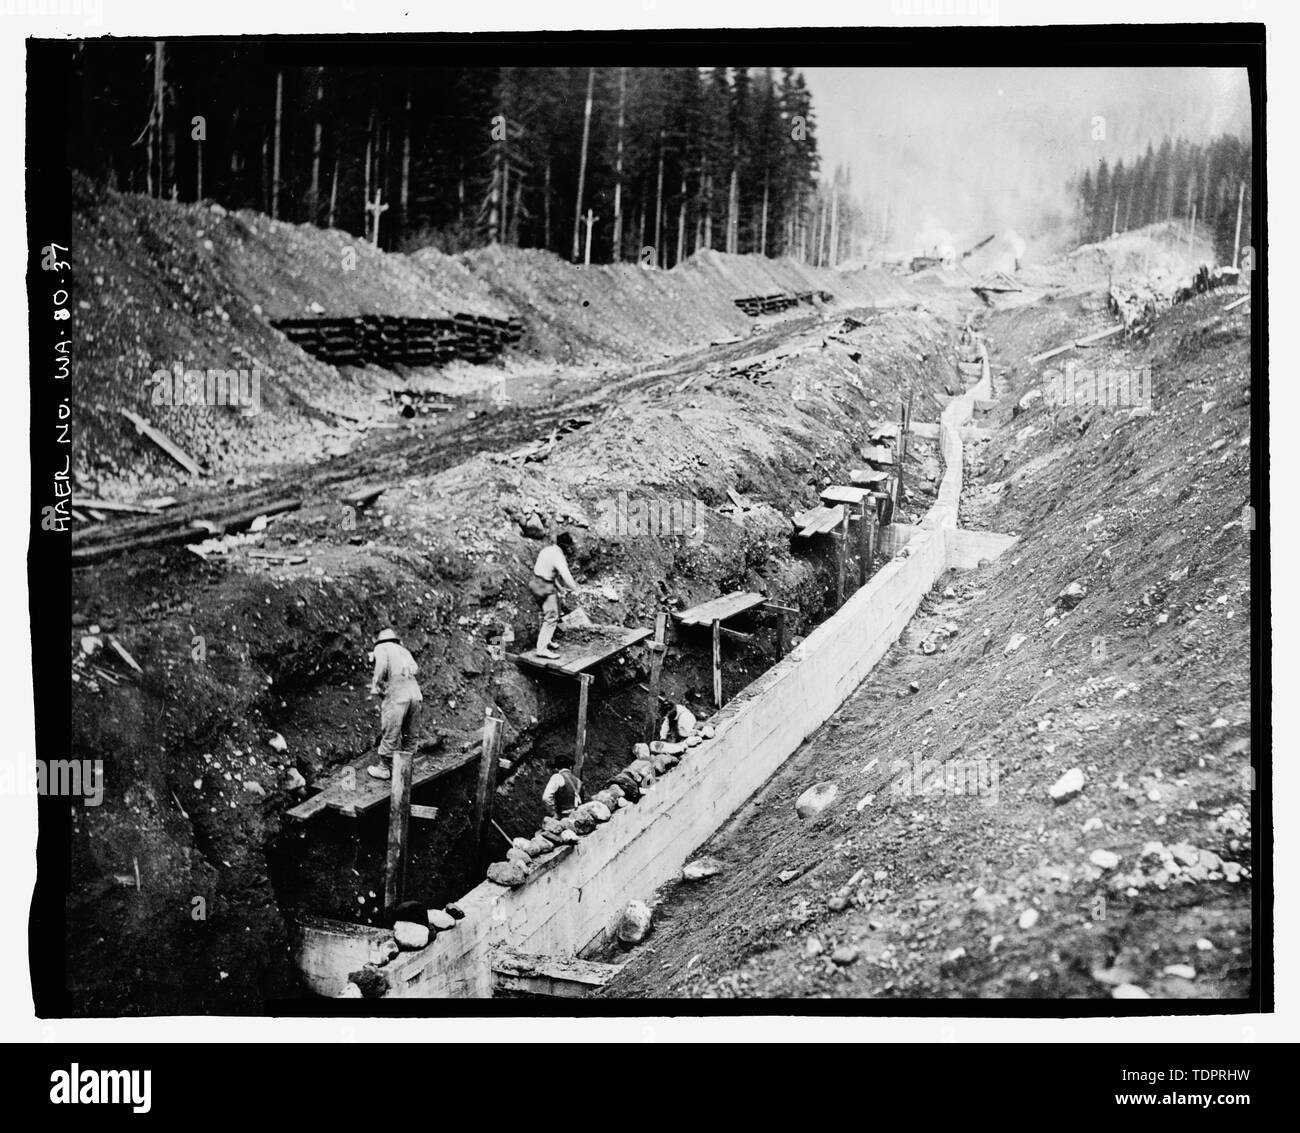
{"x": 972, "y": 148}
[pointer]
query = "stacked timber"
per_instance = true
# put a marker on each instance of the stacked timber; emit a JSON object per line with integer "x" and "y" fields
{"x": 389, "y": 340}
{"x": 755, "y": 305}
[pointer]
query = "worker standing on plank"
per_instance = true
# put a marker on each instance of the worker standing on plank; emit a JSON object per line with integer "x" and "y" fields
{"x": 563, "y": 790}
{"x": 394, "y": 677}
{"x": 550, "y": 572}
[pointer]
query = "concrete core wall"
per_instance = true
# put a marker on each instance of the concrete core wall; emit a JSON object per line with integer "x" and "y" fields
{"x": 575, "y": 896}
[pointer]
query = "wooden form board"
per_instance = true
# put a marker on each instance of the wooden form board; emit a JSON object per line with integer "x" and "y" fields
{"x": 352, "y": 791}
{"x": 842, "y": 494}
{"x": 819, "y": 520}
{"x": 720, "y": 609}
{"x": 577, "y": 656}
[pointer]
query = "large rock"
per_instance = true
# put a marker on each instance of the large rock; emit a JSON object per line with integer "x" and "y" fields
{"x": 1071, "y": 596}
{"x": 411, "y": 911}
{"x": 605, "y": 798}
{"x": 599, "y": 811}
{"x": 701, "y": 868}
{"x": 664, "y": 763}
{"x": 520, "y": 843}
{"x": 634, "y": 924}
{"x": 508, "y": 874}
{"x": 520, "y": 857}
{"x": 552, "y": 826}
{"x": 816, "y": 799}
{"x": 440, "y": 920}
{"x": 584, "y": 821}
{"x": 568, "y": 837}
{"x": 641, "y": 770}
{"x": 1067, "y": 786}
{"x": 641, "y": 751}
{"x": 372, "y": 982}
{"x": 411, "y": 937}
{"x": 630, "y": 787}
{"x": 539, "y": 846}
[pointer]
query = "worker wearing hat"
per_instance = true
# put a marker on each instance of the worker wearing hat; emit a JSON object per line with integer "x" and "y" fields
{"x": 399, "y": 714}
{"x": 550, "y": 573}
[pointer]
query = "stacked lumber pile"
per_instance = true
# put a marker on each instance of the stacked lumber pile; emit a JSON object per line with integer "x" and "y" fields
{"x": 755, "y": 305}
{"x": 388, "y": 340}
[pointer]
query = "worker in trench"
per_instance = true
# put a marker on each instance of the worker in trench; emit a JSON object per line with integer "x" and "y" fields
{"x": 550, "y": 573}
{"x": 563, "y": 789}
{"x": 399, "y": 712}
{"x": 677, "y": 722}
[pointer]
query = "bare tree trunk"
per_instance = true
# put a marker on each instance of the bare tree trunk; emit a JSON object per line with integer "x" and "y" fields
{"x": 313, "y": 199}
{"x": 681, "y": 224}
{"x": 659, "y": 207}
{"x": 708, "y": 212}
{"x": 334, "y": 191}
{"x": 582, "y": 166}
{"x": 266, "y": 177}
{"x": 546, "y": 204}
{"x": 733, "y": 205}
{"x": 762, "y": 239}
{"x": 156, "y": 115}
{"x": 834, "y": 251}
{"x": 370, "y": 141}
{"x": 275, "y": 165}
{"x": 405, "y": 187}
{"x": 618, "y": 169}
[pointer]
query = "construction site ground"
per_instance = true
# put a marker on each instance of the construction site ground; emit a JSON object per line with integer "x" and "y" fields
{"x": 253, "y": 671}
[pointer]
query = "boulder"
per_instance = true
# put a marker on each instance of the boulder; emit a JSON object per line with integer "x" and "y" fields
{"x": 552, "y": 826}
{"x": 384, "y": 952}
{"x": 693, "y": 741}
{"x": 634, "y": 924}
{"x": 1067, "y": 786}
{"x": 507, "y": 873}
{"x": 583, "y": 821}
{"x": 455, "y": 911}
{"x": 569, "y": 837}
{"x": 816, "y": 799}
{"x": 1104, "y": 859}
{"x": 519, "y": 857}
{"x": 411, "y": 937}
{"x": 540, "y": 845}
{"x": 630, "y": 787}
{"x": 599, "y": 811}
{"x": 566, "y": 823}
{"x": 641, "y": 770}
{"x": 615, "y": 791}
{"x": 641, "y": 751}
{"x": 1071, "y": 596}
{"x": 520, "y": 843}
{"x": 350, "y": 991}
{"x": 701, "y": 868}
{"x": 605, "y": 798}
{"x": 372, "y": 982}
{"x": 664, "y": 763}
{"x": 440, "y": 921}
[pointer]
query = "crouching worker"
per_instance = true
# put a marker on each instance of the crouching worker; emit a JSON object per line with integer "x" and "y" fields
{"x": 399, "y": 713}
{"x": 678, "y": 721}
{"x": 563, "y": 789}
{"x": 550, "y": 572}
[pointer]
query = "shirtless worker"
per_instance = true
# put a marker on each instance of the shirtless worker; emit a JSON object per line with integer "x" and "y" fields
{"x": 550, "y": 572}
{"x": 394, "y": 677}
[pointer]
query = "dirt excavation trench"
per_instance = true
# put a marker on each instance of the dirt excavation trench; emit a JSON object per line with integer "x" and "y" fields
{"x": 254, "y": 660}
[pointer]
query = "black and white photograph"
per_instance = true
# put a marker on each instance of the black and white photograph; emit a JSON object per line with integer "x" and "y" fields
{"x": 556, "y": 528}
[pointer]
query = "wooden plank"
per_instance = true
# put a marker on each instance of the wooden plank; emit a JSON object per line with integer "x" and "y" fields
{"x": 163, "y": 442}
{"x": 113, "y": 505}
{"x": 867, "y": 476}
{"x": 864, "y": 521}
{"x": 363, "y": 496}
{"x": 399, "y": 822}
{"x": 721, "y": 608}
{"x": 1237, "y": 303}
{"x": 580, "y": 740}
{"x": 559, "y": 976}
{"x": 717, "y": 665}
{"x": 841, "y": 544}
{"x": 427, "y": 813}
{"x": 351, "y": 791}
{"x": 657, "y": 651}
{"x": 832, "y": 519}
{"x": 780, "y": 631}
{"x": 574, "y": 659}
{"x": 842, "y": 494}
{"x": 485, "y": 790}
{"x": 877, "y": 454}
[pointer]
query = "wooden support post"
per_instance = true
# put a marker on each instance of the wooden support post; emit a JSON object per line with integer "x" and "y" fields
{"x": 864, "y": 565}
{"x": 580, "y": 746}
{"x": 780, "y": 633}
{"x": 717, "y": 664}
{"x": 872, "y": 532}
{"x": 657, "y": 651}
{"x": 487, "y": 782}
{"x": 841, "y": 551}
{"x": 399, "y": 819}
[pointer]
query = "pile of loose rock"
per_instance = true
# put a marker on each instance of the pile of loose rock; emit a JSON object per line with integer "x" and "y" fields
{"x": 414, "y": 928}
{"x": 649, "y": 762}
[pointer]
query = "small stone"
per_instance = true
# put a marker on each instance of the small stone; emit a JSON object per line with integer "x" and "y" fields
{"x": 1067, "y": 786}
{"x": 507, "y": 873}
{"x": 1104, "y": 859}
{"x": 844, "y": 955}
{"x": 701, "y": 868}
{"x": 350, "y": 991}
{"x": 411, "y": 937}
{"x": 254, "y": 786}
{"x": 1204, "y": 945}
{"x": 1028, "y": 918}
{"x": 568, "y": 837}
{"x": 1182, "y": 971}
{"x": 293, "y": 779}
{"x": 1094, "y": 823}
{"x": 278, "y": 742}
{"x": 816, "y": 799}
{"x": 634, "y": 924}
{"x": 1128, "y": 991}
{"x": 371, "y": 981}
{"x": 837, "y": 903}
{"x": 1015, "y": 642}
{"x": 813, "y": 947}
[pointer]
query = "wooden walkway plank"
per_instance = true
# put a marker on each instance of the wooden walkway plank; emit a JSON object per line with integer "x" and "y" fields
{"x": 720, "y": 609}
{"x": 352, "y": 791}
{"x": 586, "y": 652}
